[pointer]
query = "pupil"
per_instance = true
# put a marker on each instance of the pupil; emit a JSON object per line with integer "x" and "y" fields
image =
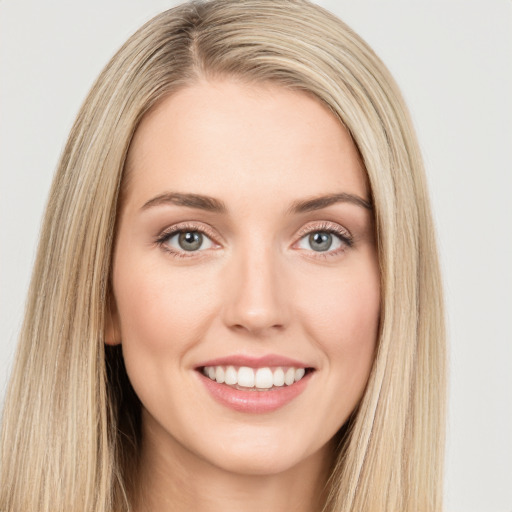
{"x": 320, "y": 241}
{"x": 190, "y": 240}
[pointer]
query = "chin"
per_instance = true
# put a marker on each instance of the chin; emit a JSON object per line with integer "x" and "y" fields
{"x": 260, "y": 458}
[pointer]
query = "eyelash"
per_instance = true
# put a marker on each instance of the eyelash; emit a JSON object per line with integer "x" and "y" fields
{"x": 325, "y": 227}
{"x": 181, "y": 228}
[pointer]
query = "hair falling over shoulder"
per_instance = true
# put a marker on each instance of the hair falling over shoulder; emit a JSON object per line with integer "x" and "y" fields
{"x": 71, "y": 422}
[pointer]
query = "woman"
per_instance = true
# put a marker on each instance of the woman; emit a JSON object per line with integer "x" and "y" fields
{"x": 236, "y": 301}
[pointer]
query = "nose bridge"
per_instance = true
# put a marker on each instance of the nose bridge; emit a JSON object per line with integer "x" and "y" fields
{"x": 256, "y": 300}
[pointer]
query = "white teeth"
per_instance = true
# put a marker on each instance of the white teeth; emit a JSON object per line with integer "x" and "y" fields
{"x": 278, "y": 377}
{"x": 230, "y": 377}
{"x": 289, "y": 376}
{"x": 264, "y": 378}
{"x": 246, "y": 377}
{"x": 261, "y": 378}
{"x": 219, "y": 374}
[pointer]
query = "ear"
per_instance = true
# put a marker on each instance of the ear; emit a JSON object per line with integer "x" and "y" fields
{"x": 112, "y": 327}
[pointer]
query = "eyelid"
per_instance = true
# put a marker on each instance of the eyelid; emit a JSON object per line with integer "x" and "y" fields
{"x": 328, "y": 226}
{"x": 190, "y": 226}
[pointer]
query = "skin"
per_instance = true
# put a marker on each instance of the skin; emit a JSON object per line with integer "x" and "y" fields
{"x": 258, "y": 288}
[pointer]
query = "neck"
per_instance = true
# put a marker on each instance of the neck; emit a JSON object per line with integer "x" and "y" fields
{"x": 175, "y": 479}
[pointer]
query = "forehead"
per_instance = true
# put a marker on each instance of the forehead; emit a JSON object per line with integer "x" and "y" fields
{"x": 231, "y": 139}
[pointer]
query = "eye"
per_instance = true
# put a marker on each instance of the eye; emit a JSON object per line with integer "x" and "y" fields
{"x": 189, "y": 241}
{"x": 182, "y": 240}
{"x": 330, "y": 239}
{"x": 320, "y": 241}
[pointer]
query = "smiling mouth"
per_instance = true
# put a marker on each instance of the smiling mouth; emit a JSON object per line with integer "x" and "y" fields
{"x": 245, "y": 378}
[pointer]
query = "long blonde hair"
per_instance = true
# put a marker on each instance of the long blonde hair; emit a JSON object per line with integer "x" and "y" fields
{"x": 71, "y": 424}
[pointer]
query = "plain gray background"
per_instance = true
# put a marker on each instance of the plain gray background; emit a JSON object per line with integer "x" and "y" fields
{"x": 453, "y": 61}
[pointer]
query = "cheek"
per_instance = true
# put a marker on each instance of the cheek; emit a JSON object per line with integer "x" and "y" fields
{"x": 160, "y": 311}
{"x": 162, "y": 315}
{"x": 342, "y": 316}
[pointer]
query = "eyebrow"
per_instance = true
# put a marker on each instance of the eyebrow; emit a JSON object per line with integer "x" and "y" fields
{"x": 317, "y": 203}
{"x": 191, "y": 200}
{"x": 212, "y": 204}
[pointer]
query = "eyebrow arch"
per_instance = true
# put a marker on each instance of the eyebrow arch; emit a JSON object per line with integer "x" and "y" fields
{"x": 317, "y": 203}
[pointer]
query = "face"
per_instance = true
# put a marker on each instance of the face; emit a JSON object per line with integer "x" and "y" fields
{"x": 245, "y": 276}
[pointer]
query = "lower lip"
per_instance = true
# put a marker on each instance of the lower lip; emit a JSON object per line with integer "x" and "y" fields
{"x": 254, "y": 401}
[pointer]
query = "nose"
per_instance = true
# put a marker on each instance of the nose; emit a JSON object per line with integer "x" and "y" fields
{"x": 256, "y": 301}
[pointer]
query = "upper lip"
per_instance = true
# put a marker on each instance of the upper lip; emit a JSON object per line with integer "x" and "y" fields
{"x": 254, "y": 362}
